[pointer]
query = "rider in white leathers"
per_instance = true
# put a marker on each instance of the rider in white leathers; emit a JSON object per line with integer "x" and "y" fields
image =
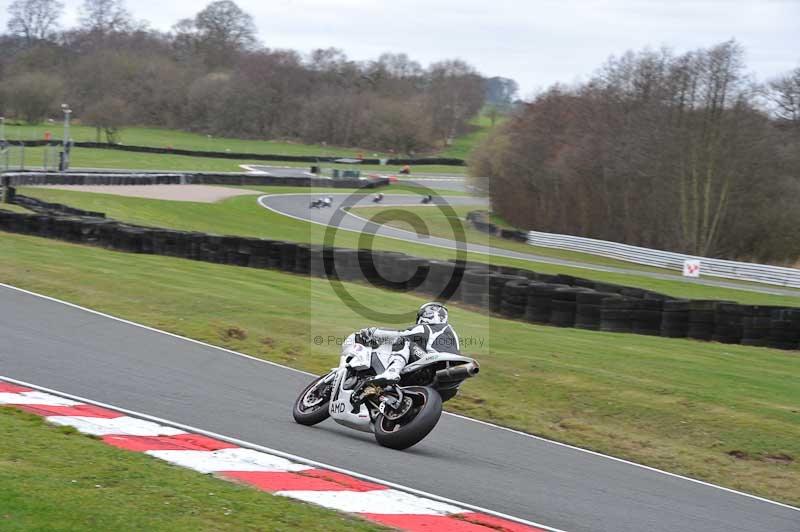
{"x": 431, "y": 334}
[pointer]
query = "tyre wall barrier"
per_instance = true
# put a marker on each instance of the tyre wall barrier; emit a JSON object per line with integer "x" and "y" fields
{"x": 558, "y": 300}
{"x": 449, "y": 161}
{"x": 93, "y": 178}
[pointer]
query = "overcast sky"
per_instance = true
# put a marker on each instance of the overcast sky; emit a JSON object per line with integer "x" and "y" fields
{"x": 535, "y": 42}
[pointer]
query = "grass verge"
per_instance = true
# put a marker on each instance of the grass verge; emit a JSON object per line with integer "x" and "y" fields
{"x": 117, "y": 159}
{"x": 56, "y": 479}
{"x": 723, "y": 413}
{"x": 243, "y": 216}
{"x": 184, "y": 140}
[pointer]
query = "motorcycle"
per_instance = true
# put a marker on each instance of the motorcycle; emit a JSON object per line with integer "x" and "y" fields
{"x": 398, "y": 414}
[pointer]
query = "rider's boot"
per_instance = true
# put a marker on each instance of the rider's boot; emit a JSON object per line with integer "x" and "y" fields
{"x": 392, "y": 372}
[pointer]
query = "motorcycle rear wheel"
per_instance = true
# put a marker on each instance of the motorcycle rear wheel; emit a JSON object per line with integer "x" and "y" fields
{"x": 414, "y": 426}
{"x": 309, "y": 415}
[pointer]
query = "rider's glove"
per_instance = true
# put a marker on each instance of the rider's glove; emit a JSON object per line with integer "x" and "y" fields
{"x": 367, "y": 333}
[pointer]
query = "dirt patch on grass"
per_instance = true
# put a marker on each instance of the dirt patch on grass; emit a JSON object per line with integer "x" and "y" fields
{"x": 779, "y": 458}
{"x": 234, "y": 333}
{"x": 196, "y": 193}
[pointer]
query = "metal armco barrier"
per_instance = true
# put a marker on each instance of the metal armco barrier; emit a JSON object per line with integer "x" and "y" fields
{"x": 728, "y": 269}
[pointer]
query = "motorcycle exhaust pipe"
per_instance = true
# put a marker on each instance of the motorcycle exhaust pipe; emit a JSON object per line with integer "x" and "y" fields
{"x": 458, "y": 373}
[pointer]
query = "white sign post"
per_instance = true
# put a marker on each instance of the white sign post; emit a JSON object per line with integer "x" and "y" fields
{"x": 691, "y": 268}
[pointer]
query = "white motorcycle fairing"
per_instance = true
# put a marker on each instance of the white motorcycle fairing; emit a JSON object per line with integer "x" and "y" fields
{"x": 357, "y": 357}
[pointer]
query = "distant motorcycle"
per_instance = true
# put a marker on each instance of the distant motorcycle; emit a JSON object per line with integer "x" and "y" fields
{"x": 427, "y": 199}
{"x": 399, "y": 415}
{"x": 377, "y": 198}
{"x": 321, "y": 202}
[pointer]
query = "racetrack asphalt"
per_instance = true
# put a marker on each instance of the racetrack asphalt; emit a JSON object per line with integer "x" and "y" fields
{"x": 297, "y": 206}
{"x": 78, "y": 352}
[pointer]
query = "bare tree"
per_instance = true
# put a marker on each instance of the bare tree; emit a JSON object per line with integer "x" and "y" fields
{"x": 34, "y": 19}
{"x": 218, "y": 32}
{"x": 32, "y": 96}
{"x": 656, "y": 150}
{"x": 105, "y": 16}
{"x": 108, "y": 115}
{"x": 784, "y": 92}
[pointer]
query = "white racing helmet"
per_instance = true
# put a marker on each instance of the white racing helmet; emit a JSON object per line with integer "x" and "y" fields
{"x": 432, "y": 313}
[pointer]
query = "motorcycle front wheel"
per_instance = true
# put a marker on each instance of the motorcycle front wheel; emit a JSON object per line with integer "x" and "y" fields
{"x": 311, "y": 406}
{"x": 414, "y": 424}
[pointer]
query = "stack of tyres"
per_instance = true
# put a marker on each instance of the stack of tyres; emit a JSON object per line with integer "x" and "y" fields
{"x": 540, "y": 301}
{"x": 366, "y": 266}
{"x": 457, "y": 281}
{"x": 233, "y": 256}
{"x": 588, "y": 307}
{"x": 384, "y": 268}
{"x": 515, "y": 298}
{"x": 584, "y": 283}
{"x": 259, "y": 253}
{"x": 675, "y": 319}
{"x": 345, "y": 263}
{"x": 192, "y": 245}
{"x": 510, "y": 270}
{"x": 728, "y": 322}
{"x": 785, "y": 329}
{"x": 441, "y": 281}
{"x": 547, "y": 278}
{"x": 562, "y": 310}
{"x": 608, "y": 287}
{"x": 128, "y": 239}
{"x": 616, "y": 314}
{"x": 701, "y": 319}
{"x": 646, "y": 318}
{"x": 288, "y": 256}
{"x": 92, "y": 230}
{"x": 496, "y": 283}
{"x": 274, "y": 255}
{"x": 37, "y": 224}
{"x": 561, "y": 278}
{"x": 756, "y": 326}
{"x": 302, "y": 259}
{"x": 475, "y": 287}
{"x": 316, "y": 261}
{"x": 632, "y": 292}
{"x": 409, "y": 273}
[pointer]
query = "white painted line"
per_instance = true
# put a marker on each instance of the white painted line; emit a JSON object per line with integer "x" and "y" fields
{"x": 125, "y": 425}
{"x": 289, "y": 456}
{"x": 34, "y": 398}
{"x": 228, "y": 460}
{"x": 459, "y": 416}
{"x": 377, "y": 502}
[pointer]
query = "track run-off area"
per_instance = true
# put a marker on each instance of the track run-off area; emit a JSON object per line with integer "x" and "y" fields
{"x": 63, "y": 347}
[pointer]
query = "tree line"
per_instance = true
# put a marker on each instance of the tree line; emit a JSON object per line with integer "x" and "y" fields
{"x": 676, "y": 152}
{"x": 210, "y": 74}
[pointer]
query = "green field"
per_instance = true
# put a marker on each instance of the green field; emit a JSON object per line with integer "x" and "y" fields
{"x": 243, "y": 216}
{"x": 116, "y": 159}
{"x": 183, "y": 140}
{"x": 462, "y": 146}
{"x": 723, "y": 413}
{"x": 55, "y": 479}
